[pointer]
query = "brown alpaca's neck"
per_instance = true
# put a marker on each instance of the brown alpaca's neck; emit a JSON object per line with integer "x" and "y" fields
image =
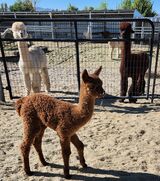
{"x": 23, "y": 51}
{"x": 126, "y": 50}
{"x": 86, "y": 102}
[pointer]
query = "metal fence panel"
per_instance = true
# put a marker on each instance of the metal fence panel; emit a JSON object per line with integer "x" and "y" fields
{"x": 71, "y": 46}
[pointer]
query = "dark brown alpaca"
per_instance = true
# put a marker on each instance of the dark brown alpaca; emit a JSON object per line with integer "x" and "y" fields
{"x": 132, "y": 65}
{"x": 40, "y": 111}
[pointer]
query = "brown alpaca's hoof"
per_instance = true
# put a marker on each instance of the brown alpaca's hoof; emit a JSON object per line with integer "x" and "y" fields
{"x": 67, "y": 176}
{"x": 132, "y": 100}
{"x": 45, "y": 163}
{"x": 121, "y": 100}
{"x": 85, "y": 165}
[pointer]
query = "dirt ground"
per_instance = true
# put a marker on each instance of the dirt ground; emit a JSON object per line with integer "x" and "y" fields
{"x": 122, "y": 142}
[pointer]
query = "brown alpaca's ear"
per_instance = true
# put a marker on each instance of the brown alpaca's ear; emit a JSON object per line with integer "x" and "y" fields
{"x": 85, "y": 76}
{"x": 97, "y": 72}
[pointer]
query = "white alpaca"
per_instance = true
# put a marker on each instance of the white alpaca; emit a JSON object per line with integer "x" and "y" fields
{"x": 32, "y": 62}
{"x": 113, "y": 45}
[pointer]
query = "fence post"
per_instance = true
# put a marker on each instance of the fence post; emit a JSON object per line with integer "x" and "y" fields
{"x": 52, "y": 31}
{"x": 5, "y": 68}
{"x": 142, "y": 32}
{"x": 2, "y": 98}
{"x": 155, "y": 70}
{"x": 77, "y": 54}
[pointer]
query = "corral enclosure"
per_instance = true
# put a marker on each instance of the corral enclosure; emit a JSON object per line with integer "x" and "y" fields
{"x": 72, "y": 46}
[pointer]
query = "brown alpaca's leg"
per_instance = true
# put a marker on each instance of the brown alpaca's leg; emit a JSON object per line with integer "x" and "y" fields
{"x": 25, "y": 149}
{"x": 38, "y": 145}
{"x": 124, "y": 87}
{"x": 28, "y": 138}
{"x": 80, "y": 148}
{"x": 133, "y": 90}
{"x": 66, "y": 151}
{"x": 141, "y": 85}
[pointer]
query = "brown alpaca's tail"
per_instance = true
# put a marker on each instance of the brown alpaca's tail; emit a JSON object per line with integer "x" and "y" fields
{"x": 18, "y": 105}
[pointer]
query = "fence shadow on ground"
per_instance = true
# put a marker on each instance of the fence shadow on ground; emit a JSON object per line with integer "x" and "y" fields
{"x": 113, "y": 105}
{"x": 102, "y": 174}
{"x": 102, "y": 105}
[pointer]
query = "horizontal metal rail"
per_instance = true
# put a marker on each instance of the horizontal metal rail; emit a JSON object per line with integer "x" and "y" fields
{"x": 73, "y": 40}
{"x": 78, "y": 40}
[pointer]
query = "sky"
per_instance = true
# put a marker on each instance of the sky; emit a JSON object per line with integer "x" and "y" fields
{"x": 80, "y": 4}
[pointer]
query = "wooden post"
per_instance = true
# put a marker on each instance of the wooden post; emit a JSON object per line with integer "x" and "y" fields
{"x": 52, "y": 31}
{"x": 142, "y": 32}
{"x": 134, "y": 28}
{"x": 90, "y": 25}
{"x": 2, "y": 98}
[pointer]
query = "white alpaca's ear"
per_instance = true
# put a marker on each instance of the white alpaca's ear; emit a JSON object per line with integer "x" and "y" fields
{"x": 97, "y": 72}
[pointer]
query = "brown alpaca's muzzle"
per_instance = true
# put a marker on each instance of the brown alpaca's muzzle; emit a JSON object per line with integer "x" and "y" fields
{"x": 101, "y": 93}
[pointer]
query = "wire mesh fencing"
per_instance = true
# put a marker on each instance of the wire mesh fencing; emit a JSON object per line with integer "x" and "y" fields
{"x": 71, "y": 46}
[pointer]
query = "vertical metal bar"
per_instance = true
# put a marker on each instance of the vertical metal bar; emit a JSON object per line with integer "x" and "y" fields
{"x": 155, "y": 70}
{"x": 2, "y": 97}
{"x": 150, "y": 58}
{"x": 6, "y": 70}
{"x": 77, "y": 53}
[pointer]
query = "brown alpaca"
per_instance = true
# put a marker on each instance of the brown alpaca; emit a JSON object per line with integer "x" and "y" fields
{"x": 132, "y": 65}
{"x": 40, "y": 111}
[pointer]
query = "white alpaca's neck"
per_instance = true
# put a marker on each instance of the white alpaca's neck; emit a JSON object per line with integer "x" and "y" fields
{"x": 23, "y": 51}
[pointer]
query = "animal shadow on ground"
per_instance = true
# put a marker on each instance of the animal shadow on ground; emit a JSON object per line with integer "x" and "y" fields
{"x": 112, "y": 105}
{"x": 102, "y": 174}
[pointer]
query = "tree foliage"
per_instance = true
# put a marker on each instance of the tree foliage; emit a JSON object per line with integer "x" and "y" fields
{"x": 34, "y": 3}
{"x": 72, "y": 8}
{"x": 88, "y": 8}
{"x": 3, "y": 7}
{"x": 145, "y": 7}
{"x": 22, "y": 5}
{"x": 126, "y": 4}
{"x": 103, "y": 6}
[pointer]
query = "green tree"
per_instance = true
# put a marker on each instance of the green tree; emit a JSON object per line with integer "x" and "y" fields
{"x": 88, "y": 8}
{"x": 145, "y": 7}
{"x": 34, "y": 3}
{"x": 126, "y": 4}
{"x": 103, "y": 6}
{"x": 72, "y": 8}
{"x": 22, "y": 5}
{"x": 3, "y": 7}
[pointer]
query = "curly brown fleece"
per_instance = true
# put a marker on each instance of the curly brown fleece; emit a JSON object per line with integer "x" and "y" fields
{"x": 39, "y": 111}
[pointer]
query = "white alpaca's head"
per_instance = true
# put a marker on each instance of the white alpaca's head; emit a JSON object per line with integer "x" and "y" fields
{"x": 19, "y": 30}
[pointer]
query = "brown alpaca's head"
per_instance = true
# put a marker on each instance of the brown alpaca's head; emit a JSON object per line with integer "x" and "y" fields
{"x": 93, "y": 84}
{"x": 126, "y": 30}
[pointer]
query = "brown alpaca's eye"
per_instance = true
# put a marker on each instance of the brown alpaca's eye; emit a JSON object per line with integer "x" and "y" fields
{"x": 92, "y": 87}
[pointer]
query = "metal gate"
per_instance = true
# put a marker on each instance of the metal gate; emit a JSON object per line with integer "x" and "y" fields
{"x": 156, "y": 76}
{"x": 72, "y": 45}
